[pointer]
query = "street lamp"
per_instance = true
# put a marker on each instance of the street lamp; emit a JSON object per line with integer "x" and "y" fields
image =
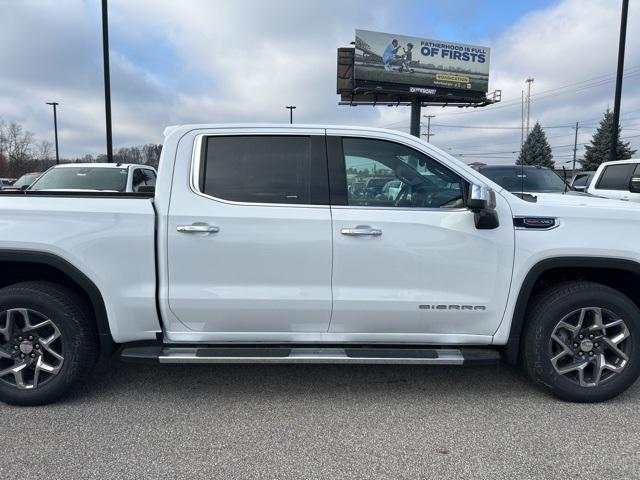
{"x": 55, "y": 127}
{"x": 290, "y": 107}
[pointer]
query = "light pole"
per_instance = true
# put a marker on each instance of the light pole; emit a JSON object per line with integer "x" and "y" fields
{"x": 55, "y": 127}
{"x": 616, "y": 105}
{"x": 107, "y": 78}
{"x": 529, "y": 82}
{"x": 291, "y": 108}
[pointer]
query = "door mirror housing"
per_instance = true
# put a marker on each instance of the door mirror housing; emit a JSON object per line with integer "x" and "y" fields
{"x": 634, "y": 184}
{"x": 479, "y": 198}
{"x": 482, "y": 202}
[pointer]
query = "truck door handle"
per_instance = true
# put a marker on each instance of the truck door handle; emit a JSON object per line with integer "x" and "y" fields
{"x": 361, "y": 231}
{"x": 198, "y": 228}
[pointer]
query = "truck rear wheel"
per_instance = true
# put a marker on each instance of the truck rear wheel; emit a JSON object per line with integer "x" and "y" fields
{"x": 47, "y": 342}
{"x": 582, "y": 341}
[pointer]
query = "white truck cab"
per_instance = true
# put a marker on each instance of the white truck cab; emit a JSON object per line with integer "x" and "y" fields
{"x": 618, "y": 179}
{"x": 277, "y": 244}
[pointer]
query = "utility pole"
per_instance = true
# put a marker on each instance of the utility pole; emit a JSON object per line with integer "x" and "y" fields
{"x": 575, "y": 150}
{"x": 55, "y": 127}
{"x": 291, "y": 108}
{"x": 107, "y": 79}
{"x": 529, "y": 82}
{"x": 618, "y": 95}
{"x": 429, "y": 134}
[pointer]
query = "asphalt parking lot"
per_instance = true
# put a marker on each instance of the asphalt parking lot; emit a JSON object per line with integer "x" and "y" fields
{"x": 299, "y": 422}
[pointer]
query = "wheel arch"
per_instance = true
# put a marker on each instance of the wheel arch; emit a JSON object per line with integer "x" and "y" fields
{"x": 614, "y": 272}
{"x": 24, "y": 265}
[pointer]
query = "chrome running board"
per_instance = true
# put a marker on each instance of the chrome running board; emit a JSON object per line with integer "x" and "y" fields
{"x": 311, "y": 355}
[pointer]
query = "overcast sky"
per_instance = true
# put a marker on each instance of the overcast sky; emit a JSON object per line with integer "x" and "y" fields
{"x": 241, "y": 61}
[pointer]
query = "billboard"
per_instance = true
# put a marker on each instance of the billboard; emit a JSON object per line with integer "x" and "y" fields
{"x": 420, "y": 63}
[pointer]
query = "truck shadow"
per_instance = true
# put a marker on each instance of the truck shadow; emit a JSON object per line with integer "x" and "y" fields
{"x": 195, "y": 383}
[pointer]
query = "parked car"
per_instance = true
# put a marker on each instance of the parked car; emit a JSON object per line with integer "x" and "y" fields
{"x": 23, "y": 182}
{"x": 6, "y": 182}
{"x": 581, "y": 180}
{"x": 619, "y": 179}
{"x": 111, "y": 177}
{"x": 253, "y": 249}
{"x": 525, "y": 178}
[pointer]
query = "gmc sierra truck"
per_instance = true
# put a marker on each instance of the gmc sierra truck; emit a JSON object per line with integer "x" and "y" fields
{"x": 257, "y": 245}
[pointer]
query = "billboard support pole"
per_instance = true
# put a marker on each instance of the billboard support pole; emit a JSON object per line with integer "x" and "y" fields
{"x": 415, "y": 117}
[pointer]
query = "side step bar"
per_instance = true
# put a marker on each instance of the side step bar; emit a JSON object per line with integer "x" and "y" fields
{"x": 324, "y": 355}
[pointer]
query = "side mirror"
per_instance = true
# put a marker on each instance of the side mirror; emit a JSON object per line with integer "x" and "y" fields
{"x": 482, "y": 202}
{"x": 634, "y": 184}
{"x": 146, "y": 189}
{"x": 479, "y": 198}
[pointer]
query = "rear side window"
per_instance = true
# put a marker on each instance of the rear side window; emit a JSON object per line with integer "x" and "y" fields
{"x": 258, "y": 169}
{"x": 616, "y": 177}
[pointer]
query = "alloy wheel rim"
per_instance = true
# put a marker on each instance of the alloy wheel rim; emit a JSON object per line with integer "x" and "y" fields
{"x": 590, "y": 346}
{"x": 31, "y": 348}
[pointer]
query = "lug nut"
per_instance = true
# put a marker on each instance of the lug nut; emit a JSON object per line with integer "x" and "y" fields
{"x": 591, "y": 354}
{"x": 580, "y": 336}
{"x": 30, "y": 337}
{"x": 575, "y": 345}
{"x": 596, "y": 344}
{"x": 33, "y": 355}
{"x": 591, "y": 336}
{"x": 37, "y": 346}
{"x": 22, "y": 355}
{"x": 581, "y": 354}
{"x": 20, "y": 339}
{"x": 15, "y": 347}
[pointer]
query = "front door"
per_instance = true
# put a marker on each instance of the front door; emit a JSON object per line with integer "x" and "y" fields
{"x": 408, "y": 258}
{"x": 249, "y": 243}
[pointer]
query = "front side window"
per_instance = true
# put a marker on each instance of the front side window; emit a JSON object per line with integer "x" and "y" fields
{"x": 257, "y": 169}
{"x": 616, "y": 177}
{"x": 387, "y": 174}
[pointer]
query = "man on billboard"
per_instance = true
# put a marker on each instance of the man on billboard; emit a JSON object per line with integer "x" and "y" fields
{"x": 390, "y": 56}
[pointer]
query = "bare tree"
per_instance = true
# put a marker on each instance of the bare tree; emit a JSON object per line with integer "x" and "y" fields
{"x": 43, "y": 150}
{"x": 18, "y": 144}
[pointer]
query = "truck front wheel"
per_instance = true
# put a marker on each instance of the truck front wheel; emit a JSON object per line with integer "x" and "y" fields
{"x": 47, "y": 342}
{"x": 582, "y": 341}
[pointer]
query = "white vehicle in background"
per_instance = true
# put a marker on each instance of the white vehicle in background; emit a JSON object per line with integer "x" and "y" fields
{"x": 619, "y": 179}
{"x": 105, "y": 177}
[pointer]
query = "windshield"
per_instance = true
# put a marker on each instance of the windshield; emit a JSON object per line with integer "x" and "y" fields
{"x": 83, "y": 178}
{"x": 516, "y": 179}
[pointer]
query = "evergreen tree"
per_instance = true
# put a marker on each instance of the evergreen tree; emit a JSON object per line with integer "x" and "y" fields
{"x": 536, "y": 150}
{"x": 599, "y": 150}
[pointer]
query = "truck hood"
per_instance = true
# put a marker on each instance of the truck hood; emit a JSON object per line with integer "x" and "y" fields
{"x": 589, "y": 201}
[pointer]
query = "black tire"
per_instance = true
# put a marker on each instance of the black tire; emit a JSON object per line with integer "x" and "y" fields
{"x": 545, "y": 313}
{"x": 77, "y": 343}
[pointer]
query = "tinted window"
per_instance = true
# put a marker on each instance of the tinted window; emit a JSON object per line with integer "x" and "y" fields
{"x": 387, "y": 174}
{"x": 83, "y": 178}
{"x": 616, "y": 177}
{"x": 581, "y": 180}
{"x": 260, "y": 169}
{"x": 143, "y": 176}
{"x": 516, "y": 179}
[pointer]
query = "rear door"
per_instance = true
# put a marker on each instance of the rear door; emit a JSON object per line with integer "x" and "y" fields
{"x": 416, "y": 263}
{"x": 249, "y": 239}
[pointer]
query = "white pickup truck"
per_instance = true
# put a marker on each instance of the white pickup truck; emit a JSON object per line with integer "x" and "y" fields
{"x": 253, "y": 249}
